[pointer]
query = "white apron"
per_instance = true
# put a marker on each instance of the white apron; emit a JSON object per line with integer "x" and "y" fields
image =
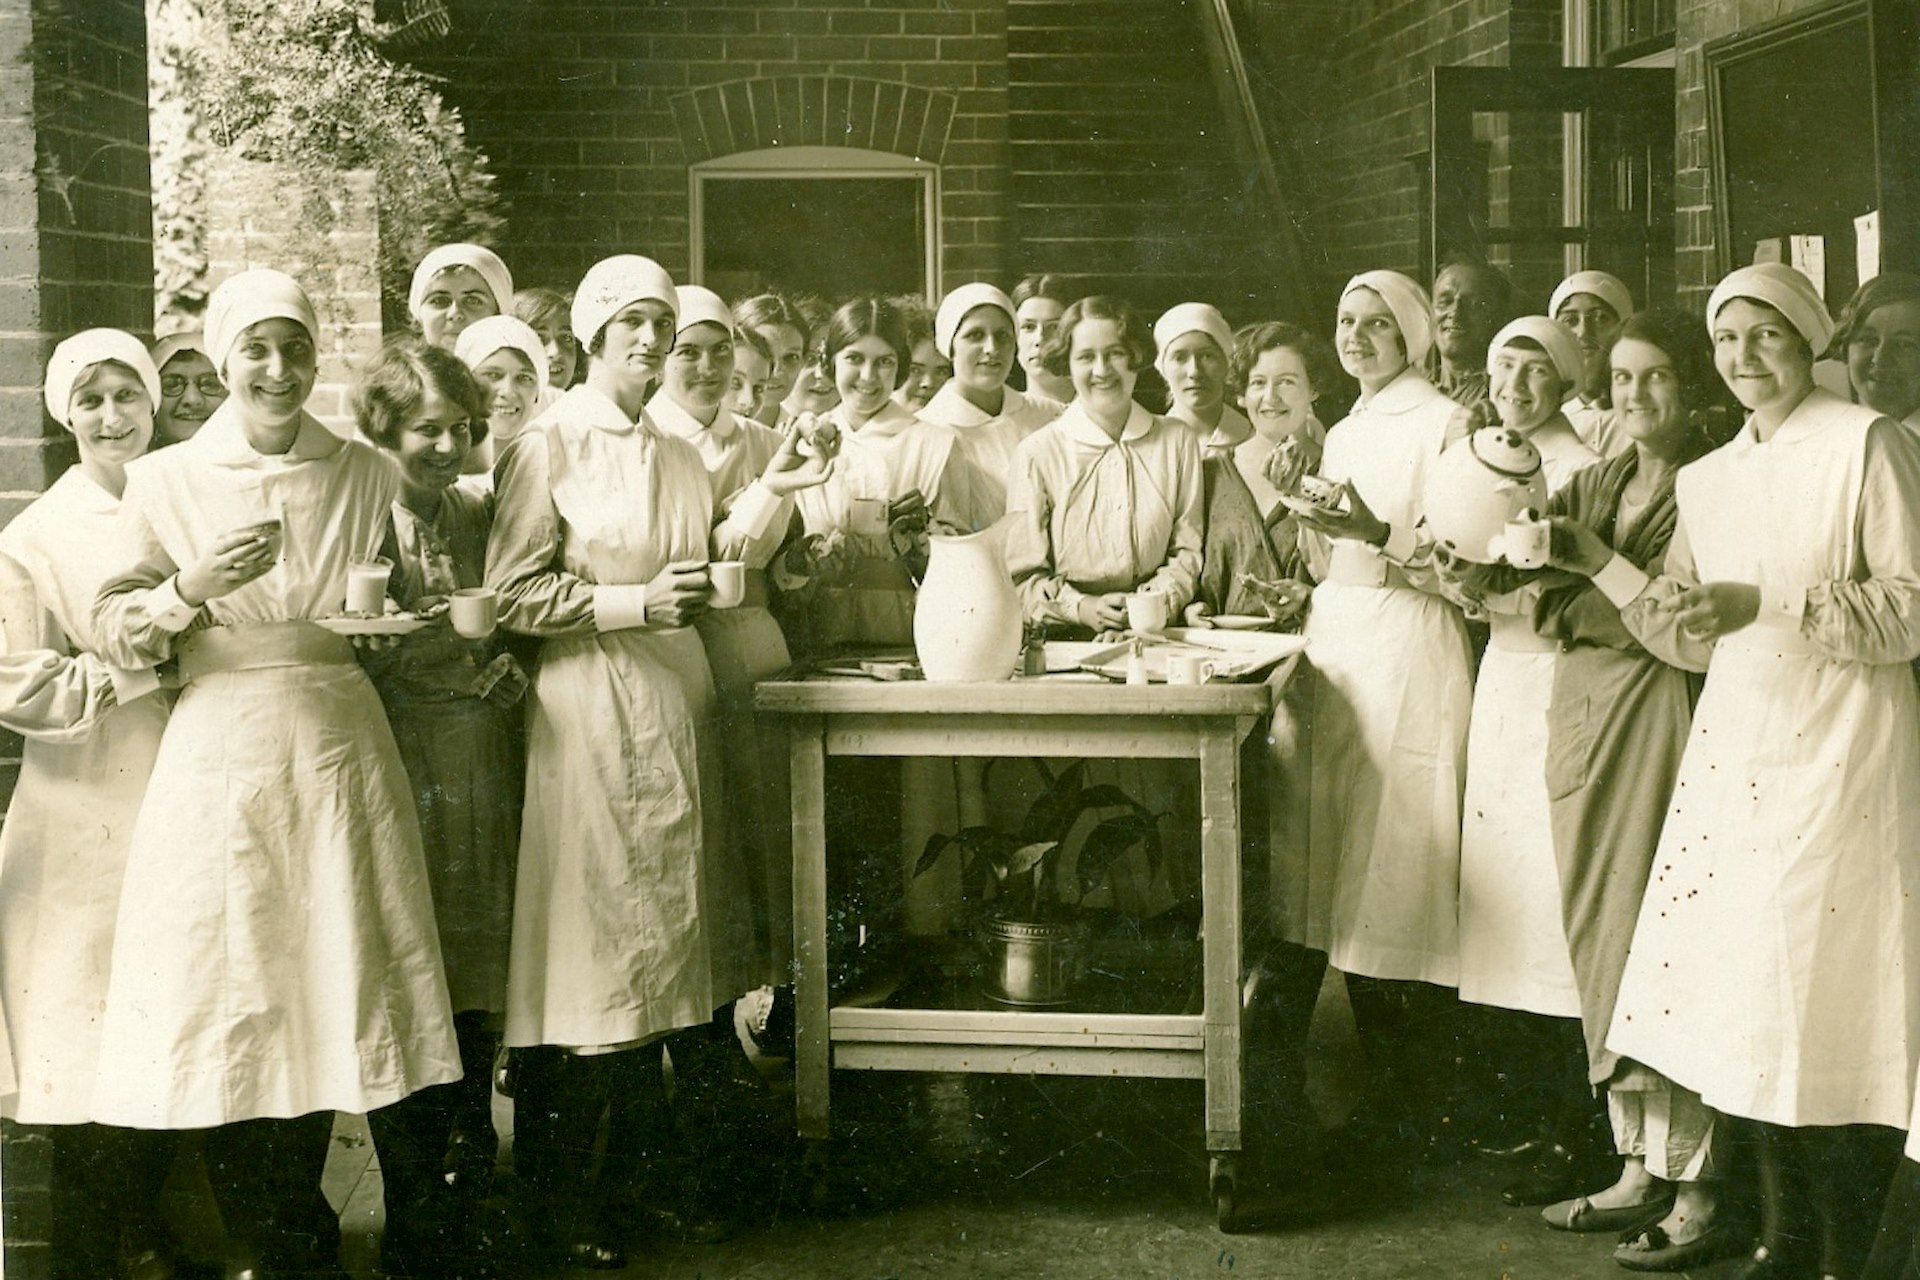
{"x": 63, "y": 850}
{"x": 276, "y": 952}
{"x": 612, "y": 901}
{"x": 1377, "y": 884}
{"x": 1513, "y": 936}
{"x": 988, "y": 441}
{"x": 1774, "y": 964}
{"x": 751, "y": 934}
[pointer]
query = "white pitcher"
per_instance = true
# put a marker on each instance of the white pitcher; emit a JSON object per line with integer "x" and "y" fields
{"x": 966, "y": 620}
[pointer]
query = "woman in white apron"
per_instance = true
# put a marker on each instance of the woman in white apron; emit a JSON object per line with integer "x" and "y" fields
{"x": 600, "y": 547}
{"x": 1878, "y": 335}
{"x": 1379, "y": 888}
{"x": 190, "y": 387}
{"x": 1593, "y": 304}
{"x": 63, "y": 848}
{"x": 1513, "y": 947}
{"x": 974, "y": 328}
{"x": 276, "y": 958}
{"x": 454, "y": 705}
{"x": 789, "y": 338}
{"x": 754, "y": 472}
{"x": 1775, "y": 967}
{"x": 546, "y": 312}
{"x": 454, "y": 286}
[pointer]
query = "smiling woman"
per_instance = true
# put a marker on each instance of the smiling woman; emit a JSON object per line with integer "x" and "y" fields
{"x": 235, "y": 1005}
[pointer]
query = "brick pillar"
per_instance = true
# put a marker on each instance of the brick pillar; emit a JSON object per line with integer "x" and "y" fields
{"x": 76, "y": 250}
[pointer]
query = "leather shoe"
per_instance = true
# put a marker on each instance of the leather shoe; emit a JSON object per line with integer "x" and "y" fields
{"x": 1556, "y": 1174}
{"x": 1579, "y": 1214}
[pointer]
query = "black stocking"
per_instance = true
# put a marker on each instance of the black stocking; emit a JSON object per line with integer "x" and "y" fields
{"x": 1896, "y": 1249}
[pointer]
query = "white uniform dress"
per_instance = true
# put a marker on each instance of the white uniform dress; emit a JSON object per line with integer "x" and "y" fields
{"x": 988, "y": 440}
{"x": 752, "y": 938}
{"x": 1513, "y": 940}
{"x": 276, "y": 952}
{"x": 1775, "y": 967}
{"x": 1378, "y": 885}
{"x": 63, "y": 850}
{"x": 612, "y": 902}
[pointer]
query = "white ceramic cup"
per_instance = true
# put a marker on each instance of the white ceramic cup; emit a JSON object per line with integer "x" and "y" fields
{"x": 867, "y": 517}
{"x": 727, "y": 580}
{"x": 1189, "y": 668}
{"x": 1526, "y": 542}
{"x": 1147, "y": 612}
{"x": 367, "y": 586}
{"x": 475, "y": 611}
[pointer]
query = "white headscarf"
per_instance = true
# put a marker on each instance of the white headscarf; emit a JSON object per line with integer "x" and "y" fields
{"x": 243, "y": 300}
{"x": 1193, "y": 317}
{"x": 955, "y": 307}
{"x": 1554, "y": 338}
{"x": 174, "y": 343}
{"x": 697, "y": 305}
{"x": 482, "y": 259}
{"x": 1412, "y": 309}
{"x": 616, "y": 282}
{"x": 1604, "y": 285}
{"x": 502, "y": 333}
{"x": 90, "y": 347}
{"x": 1785, "y": 290}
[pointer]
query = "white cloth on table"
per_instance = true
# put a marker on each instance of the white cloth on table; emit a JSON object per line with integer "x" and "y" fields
{"x": 275, "y": 952}
{"x": 1776, "y": 962}
{"x": 63, "y": 849}
{"x": 1377, "y": 883}
{"x": 612, "y": 904}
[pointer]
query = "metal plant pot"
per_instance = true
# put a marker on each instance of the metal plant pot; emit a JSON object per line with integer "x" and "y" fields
{"x": 1030, "y": 963}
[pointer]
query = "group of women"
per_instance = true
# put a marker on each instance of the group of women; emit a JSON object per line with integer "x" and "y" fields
{"x": 256, "y": 872}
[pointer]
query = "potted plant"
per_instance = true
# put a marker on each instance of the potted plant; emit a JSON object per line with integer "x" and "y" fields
{"x": 1030, "y": 925}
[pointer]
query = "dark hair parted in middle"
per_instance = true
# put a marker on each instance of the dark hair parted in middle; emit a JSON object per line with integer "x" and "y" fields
{"x": 1255, "y": 340}
{"x": 1135, "y": 334}
{"x": 1687, "y": 344}
{"x": 393, "y": 386}
{"x": 867, "y": 318}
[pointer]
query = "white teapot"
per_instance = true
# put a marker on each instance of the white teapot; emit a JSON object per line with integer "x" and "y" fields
{"x": 1477, "y": 487}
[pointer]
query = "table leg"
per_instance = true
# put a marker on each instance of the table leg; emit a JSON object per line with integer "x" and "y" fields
{"x": 1220, "y": 913}
{"x": 811, "y": 1065}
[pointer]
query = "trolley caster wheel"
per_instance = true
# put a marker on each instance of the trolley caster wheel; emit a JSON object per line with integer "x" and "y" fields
{"x": 1223, "y": 1185}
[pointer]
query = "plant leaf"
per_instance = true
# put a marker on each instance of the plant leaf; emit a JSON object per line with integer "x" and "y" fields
{"x": 1106, "y": 796}
{"x": 936, "y": 845}
{"x": 1109, "y": 841}
{"x": 1053, "y": 813}
{"x": 1029, "y": 856}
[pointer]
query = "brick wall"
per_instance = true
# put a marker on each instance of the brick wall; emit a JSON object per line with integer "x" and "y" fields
{"x": 75, "y": 251}
{"x": 1347, "y": 85}
{"x": 333, "y": 252}
{"x": 1697, "y": 262}
{"x": 578, "y": 114}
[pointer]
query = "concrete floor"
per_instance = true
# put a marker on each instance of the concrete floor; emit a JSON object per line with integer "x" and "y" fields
{"x": 950, "y": 1176}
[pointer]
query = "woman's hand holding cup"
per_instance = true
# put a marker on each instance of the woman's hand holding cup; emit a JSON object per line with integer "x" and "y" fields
{"x": 236, "y": 558}
{"x": 678, "y": 594}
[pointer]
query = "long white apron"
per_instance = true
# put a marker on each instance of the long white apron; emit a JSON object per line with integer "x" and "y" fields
{"x": 612, "y": 901}
{"x": 1774, "y": 962}
{"x": 63, "y": 850}
{"x": 1513, "y": 945}
{"x": 1377, "y": 883}
{"x": 275, "y": 952}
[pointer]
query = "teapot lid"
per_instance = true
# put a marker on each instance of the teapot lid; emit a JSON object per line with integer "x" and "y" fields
{"x": 1506, "y": 451}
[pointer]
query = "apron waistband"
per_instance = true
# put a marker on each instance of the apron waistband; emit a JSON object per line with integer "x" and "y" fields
{"x": 1354, "y": 564}
{"x": 259, "y": 645}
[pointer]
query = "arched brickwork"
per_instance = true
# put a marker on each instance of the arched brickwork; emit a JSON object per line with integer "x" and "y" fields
{"x": 814, "y": 111}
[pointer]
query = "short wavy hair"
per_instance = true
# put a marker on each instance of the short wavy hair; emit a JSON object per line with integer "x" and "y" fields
{"x": 1883, "y": 290}
{"x": 1690, "y": 347}
{"x": 773, "y": 311}
{"x": 393, "y": 386}
{"x": 1136, "y": 335}
{"x": 1250, "y": 342}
